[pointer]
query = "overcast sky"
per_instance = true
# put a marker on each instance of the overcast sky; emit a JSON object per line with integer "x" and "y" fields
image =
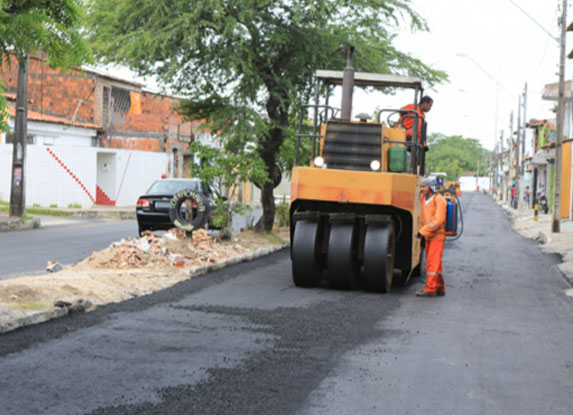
{"x": 490, "y": 49}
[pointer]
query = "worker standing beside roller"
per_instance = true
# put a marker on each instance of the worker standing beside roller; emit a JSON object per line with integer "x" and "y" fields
{"x": 432, "y": 228}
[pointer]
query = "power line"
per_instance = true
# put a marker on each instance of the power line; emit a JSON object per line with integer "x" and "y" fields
{"x": 536, "y": 22}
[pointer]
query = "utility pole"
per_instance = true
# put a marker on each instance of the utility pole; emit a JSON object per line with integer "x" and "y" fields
{"x": 17, "y": 190}
{"x": 523, "y": 142}
{"x": 477, "y": 173}
{"x": 524, "y": 130}
{"x": 510, "y": 160}
{"x": 502, "y": 187}
{"x": 556, "y": 227}
{"x": 518, "y": 155}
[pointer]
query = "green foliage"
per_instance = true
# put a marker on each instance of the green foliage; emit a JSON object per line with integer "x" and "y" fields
{"x": 53, "y": 27}
{"x": 247, "y": 65}
{"x": 455, "y": 155}
{"x": 40, "y": 211}
{"x": 283, "y": 214}
{"x": 75, "y": 205}
{"x": 224, "y": 169}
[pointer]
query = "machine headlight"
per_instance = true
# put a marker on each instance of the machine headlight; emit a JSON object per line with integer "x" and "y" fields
{"x": 375, "y": 165}
{"x": 319, "y": 161}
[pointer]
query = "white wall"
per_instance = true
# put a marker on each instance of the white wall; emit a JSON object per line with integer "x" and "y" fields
{"x": 68, "y": 174}
{"x": 468, "y": 183}
{"x": 56, "y": 134}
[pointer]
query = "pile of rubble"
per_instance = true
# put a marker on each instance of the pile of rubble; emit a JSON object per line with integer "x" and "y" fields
{"x": 173, "y": 249}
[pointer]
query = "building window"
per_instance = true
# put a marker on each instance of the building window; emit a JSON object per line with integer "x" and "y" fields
{"x": 105, "y": 107}
{"x": 121, "y": 100}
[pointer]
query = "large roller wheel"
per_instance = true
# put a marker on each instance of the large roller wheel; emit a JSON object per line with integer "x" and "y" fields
{"x": 379, "y": 251}
{"x": 306, "y": 270}
{"x": 341, "y": 261}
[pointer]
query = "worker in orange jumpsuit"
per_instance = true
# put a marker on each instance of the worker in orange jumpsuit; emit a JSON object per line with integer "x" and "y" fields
{"x": 433, "y": 229}
{"x": 407, "y": 119}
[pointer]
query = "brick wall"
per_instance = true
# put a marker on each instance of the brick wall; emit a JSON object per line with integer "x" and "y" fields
{"x": 127, "y": 116}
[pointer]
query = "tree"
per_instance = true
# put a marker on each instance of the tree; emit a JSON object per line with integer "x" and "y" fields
{"x": 224, "y": 170}
{"x": 246, "y": 65}
{"x": 33, "y": 26}
{"x": 454, "y": 155}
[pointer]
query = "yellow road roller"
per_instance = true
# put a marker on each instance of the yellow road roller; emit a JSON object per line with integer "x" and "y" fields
{"x": 355, "y": 209}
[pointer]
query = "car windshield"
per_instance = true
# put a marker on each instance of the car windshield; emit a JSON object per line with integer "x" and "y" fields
{"x": 170, "y": 187}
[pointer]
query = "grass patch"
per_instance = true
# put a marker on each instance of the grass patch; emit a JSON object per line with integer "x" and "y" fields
{"x": 75, "y": 205}
{"x": 30, "y": 306}
{"x": 26, "y": 218}
{"x": 39, "y": 211}
{"x": 53, "y": 205}
{"x": 48, "y": 212}
{"x": 273, "y": 238}
{"x": 2, "y": 203}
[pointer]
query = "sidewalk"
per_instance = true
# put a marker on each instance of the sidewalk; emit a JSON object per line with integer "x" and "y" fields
{"x": 553, "y": 243}
{"x": 70, "y": 215}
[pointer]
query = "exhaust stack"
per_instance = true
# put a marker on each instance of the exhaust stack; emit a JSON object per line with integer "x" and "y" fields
{"x": 347, "y": 87}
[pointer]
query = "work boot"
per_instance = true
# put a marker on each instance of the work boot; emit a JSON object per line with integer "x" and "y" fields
{"x": 440, "y": 293}
{"x": 423, "y": 293}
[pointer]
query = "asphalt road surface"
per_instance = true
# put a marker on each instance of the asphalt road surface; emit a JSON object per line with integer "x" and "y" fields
{"x": 244, "y": 340}
{"x": 29, "y": 251}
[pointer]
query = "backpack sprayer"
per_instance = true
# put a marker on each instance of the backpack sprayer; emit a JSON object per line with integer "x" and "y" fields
{"x": 454, "y": 210}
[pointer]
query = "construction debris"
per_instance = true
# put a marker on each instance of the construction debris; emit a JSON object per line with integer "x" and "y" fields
{"x": 53, "y": 266}
{"x": 173, "y": 249}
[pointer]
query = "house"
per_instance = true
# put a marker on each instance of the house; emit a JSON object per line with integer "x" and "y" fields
{"x": 92, "y": 137}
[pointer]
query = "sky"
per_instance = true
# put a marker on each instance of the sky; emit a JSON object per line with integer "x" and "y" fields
{"x": 490, "y": 49}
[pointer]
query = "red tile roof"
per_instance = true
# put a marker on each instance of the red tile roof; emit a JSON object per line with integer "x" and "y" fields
{"x": 37, "y": 116}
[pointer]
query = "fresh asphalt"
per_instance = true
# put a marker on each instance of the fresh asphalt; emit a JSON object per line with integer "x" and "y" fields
{"x": 244, "y": 340}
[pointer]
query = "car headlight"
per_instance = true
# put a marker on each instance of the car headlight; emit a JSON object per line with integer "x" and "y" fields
{"x": 375, "y": 165}
{"x": 319, "y": 161}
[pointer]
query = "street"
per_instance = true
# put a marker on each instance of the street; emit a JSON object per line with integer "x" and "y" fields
{"x": 244, "y": 340}
{"x": 28, "y": 252}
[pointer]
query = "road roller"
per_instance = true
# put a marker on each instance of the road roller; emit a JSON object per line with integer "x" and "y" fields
{"x": 355, "y": 209}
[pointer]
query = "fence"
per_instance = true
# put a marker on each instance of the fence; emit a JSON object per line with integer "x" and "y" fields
{"x": 64, "y": 175}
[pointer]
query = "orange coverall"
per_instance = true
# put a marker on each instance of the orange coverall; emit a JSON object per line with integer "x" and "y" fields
{"x": 433, "y": 229}
{"x": 408, "y": 120}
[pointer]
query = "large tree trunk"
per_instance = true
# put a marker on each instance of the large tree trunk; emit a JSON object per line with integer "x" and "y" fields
{"x": 278, "y": 116}
{"x": 268, "y": 154}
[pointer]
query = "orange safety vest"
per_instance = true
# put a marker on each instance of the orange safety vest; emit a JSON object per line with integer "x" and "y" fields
{"x": 408, "y": 120}
{"x": 433, "y": 217}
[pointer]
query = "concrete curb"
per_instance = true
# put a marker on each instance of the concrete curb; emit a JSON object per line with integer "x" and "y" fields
{"x": 242, "y": 258}
{"x": 16, "y": 319}
{"x": 11, "y": 320}
{"x": 103, "y": 214}
{"x": 18, "y": 225}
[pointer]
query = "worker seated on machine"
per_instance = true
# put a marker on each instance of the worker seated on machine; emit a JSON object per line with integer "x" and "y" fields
{"x": 407, "y": 119}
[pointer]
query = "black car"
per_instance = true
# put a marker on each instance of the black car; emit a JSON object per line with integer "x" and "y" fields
{"x": 153, "y": 207}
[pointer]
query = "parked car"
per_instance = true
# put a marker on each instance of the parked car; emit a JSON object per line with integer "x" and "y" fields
{"x": 153, "y": 207}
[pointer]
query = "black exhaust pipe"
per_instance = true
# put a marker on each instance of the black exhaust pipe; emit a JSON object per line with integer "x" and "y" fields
{"x": 347, "y": 87}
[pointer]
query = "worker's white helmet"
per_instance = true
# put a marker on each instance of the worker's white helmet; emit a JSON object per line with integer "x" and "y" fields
{"x": 430, "y": 182}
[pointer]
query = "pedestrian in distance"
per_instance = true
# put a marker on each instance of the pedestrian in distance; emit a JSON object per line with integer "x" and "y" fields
{"x": 512, "y": 194}
{"x": 433, "y": 230}
{"x": 527, "y": 196}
